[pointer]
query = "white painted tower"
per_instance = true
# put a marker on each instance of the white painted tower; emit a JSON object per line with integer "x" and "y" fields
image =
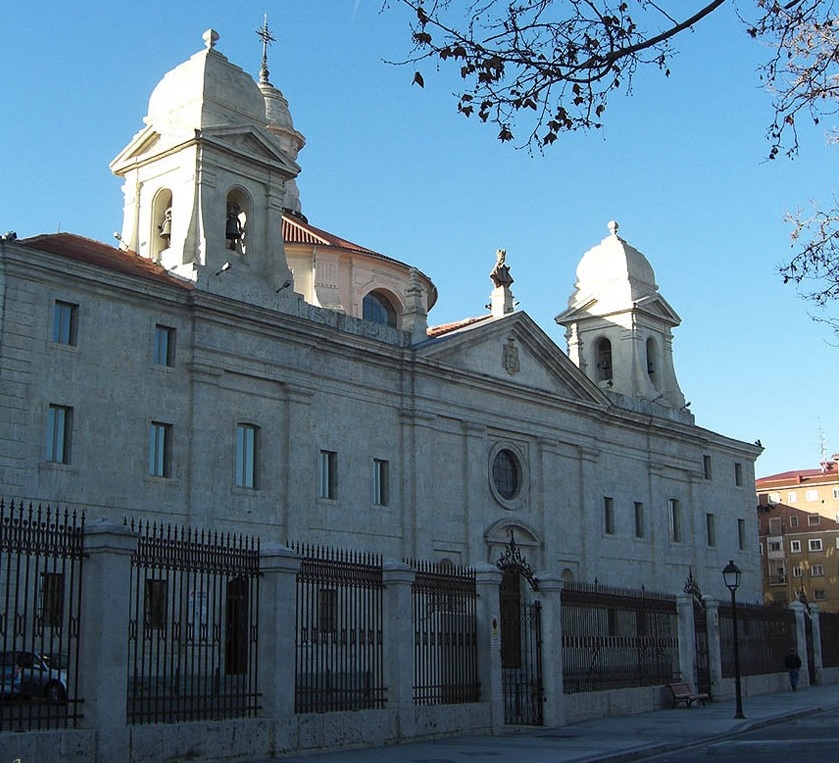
{"x": 618, "y": 326}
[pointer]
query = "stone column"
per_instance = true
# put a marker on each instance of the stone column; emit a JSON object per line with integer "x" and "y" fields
{"x": 301, "y": 464}
{"x": 277, "y": 622}
{"x": 687, "y": 638}
{"x": 712, "y": 616}
{"x": 488, "y": 583}
{"x": 103, "y": 637}
{"x": 550, "y": 593}
{"x": 801, "y": 640}
{"x": 398, "y": 640}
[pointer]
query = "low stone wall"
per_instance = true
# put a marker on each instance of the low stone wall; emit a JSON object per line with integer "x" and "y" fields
{"x": 603, "y": 704}
{"x": 78, "y": 744}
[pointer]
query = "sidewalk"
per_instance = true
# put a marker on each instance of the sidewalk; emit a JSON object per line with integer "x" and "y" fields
{"x": 605, "y": 739}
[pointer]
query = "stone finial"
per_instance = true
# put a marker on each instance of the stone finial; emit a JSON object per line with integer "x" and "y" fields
{"x": 210, "y": 38}
{"x": 613, "y": 227}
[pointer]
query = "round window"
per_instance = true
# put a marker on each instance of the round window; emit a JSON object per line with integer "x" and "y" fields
{"x": 506, "y": 474}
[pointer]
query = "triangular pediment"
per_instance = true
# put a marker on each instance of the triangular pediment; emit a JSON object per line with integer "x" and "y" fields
{"x": 653, "y": 305}
{"x": 145, "y": 144}
{"x": 513, "y": 350}
{"x": 253, "y": 143}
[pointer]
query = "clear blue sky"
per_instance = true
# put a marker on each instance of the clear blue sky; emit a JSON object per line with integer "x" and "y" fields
{"x": 680, "y": 165}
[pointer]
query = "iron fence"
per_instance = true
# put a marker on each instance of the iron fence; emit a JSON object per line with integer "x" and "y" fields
{"x": 193, "y": 626}
{"x": 829, "y": 627}
{"x": 445, "y": 634}
{"x": 764, "y": 636}
{"x": 41, "y": 558}
{"x": 617, "y": 638}
{"x": 338, "y": 643}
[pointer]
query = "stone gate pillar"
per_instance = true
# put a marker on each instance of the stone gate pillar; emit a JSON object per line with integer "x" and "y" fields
{"x": 487, "y": 582}
{"x": 550, "y": 594}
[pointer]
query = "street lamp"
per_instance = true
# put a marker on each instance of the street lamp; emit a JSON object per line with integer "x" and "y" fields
{"x": 731, "y": 575}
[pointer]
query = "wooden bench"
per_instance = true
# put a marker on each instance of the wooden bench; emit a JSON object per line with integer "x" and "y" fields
{"x": 683, "y": 692}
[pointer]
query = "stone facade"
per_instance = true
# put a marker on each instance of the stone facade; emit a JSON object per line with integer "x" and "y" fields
{"x": 188, "y": 383}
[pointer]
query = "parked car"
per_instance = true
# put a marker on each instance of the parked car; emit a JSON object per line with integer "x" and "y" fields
{"x": 38, "y": 679}
{"x": 9, "y": 676}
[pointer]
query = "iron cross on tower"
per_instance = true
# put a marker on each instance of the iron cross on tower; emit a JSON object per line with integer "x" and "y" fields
{"x": 267, "y": 38}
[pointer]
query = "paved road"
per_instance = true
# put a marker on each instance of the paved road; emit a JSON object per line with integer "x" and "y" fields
{"x": 813, "y": 739}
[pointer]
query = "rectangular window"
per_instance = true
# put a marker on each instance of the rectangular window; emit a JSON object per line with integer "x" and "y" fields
{"x": 774, "y": 498}
{"x": 675, "y": 512}
{"x": 795, "y": 546}
{"x": 160, "y": 449}
{"x": 59, "y": 427}
{"x": 246, "y": 444}
{"x": 836, "y": 494}
{"x": 328, "y": 610}
{"x": 163, "y": 351}
{"x": 154, "y": 604}
{"x": 52, "y": 599}
{"x": 64, "y": 322}
{"x": 796, "y": 571}
{"x": 738, "y": 474}
{"x": 813, "y": 520}
{"x": 817, "y": 570}
{"x": 741, "y": 534}
{"x": 706, "y": 466}
{"x": 608, "y": 516}
{"x": 328, "y": 474}
{"x": 792, "y": 497}
{"x": 811, "y": 495}
{"x": 639, "y": 519}
{"x": 816, "y": 544}
{"x": 775, "y": 526}
{"x": 793, "y": 521}
{"x": 710, "y": 530}
{"x": 774, "y": 545}
{"x": 837, "y": 542}
{"x": 760, "y": 549}
{"x": 818, "y": 594}
{"x": 381, "y": 482}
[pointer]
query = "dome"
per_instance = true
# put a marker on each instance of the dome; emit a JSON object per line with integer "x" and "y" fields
{"x": 614, "y": 259}
{"x": 204, "y": 91}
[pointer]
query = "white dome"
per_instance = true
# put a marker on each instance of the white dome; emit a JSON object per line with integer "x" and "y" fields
{"x": 206, "y": 90}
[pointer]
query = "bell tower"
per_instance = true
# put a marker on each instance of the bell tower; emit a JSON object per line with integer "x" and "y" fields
{"x": 618, "y": 326}
{"x": 205, "y": 181}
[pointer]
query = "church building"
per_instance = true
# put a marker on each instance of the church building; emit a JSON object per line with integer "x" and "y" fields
{"x": 230, "y": 365}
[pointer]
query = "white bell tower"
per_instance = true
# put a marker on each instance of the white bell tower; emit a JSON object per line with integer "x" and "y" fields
{"x": 205, "y": 181}
{"x": 618, "y": 326}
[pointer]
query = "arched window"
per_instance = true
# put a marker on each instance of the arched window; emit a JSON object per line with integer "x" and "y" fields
{"x": 161, "y": 223}
{"x": 603, "y": 353}
{"x": 378, "y": 309}
{"x": 237, "y": 221}
{"x": 652, "y": 361}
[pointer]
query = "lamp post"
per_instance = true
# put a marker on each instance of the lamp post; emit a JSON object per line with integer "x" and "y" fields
{"x": 731, "y": 575}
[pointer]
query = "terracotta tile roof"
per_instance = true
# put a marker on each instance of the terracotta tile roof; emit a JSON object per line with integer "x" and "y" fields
{"x": 296, "y": 230}
{"x": 447, "y": 328}
{"x": 799, "y": 476}
{"x": 102, "y": 255}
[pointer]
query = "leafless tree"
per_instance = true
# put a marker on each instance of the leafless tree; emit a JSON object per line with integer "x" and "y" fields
{"x": 544, "y": 67}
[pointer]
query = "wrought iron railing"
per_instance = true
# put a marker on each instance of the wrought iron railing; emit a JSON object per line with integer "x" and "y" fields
{"x": 445, "y": 634}
{"x": 829, "y": 628}
{"x": 617, "y": 638}
{"x": 41, "y": 557}
{"x": 764, "y": 635}
{"x": 338, "y": 644}
{"x": 193, "y": 626}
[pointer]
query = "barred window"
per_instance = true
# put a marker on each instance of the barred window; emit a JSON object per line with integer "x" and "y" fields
{"x": 52, "y": 599}
{"x": 154, "y": 603}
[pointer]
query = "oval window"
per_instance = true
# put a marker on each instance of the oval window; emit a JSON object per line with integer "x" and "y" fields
{"x": 506, "y": 474}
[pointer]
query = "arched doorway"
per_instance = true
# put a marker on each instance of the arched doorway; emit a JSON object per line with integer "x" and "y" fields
{"x": 521, "y": 639}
